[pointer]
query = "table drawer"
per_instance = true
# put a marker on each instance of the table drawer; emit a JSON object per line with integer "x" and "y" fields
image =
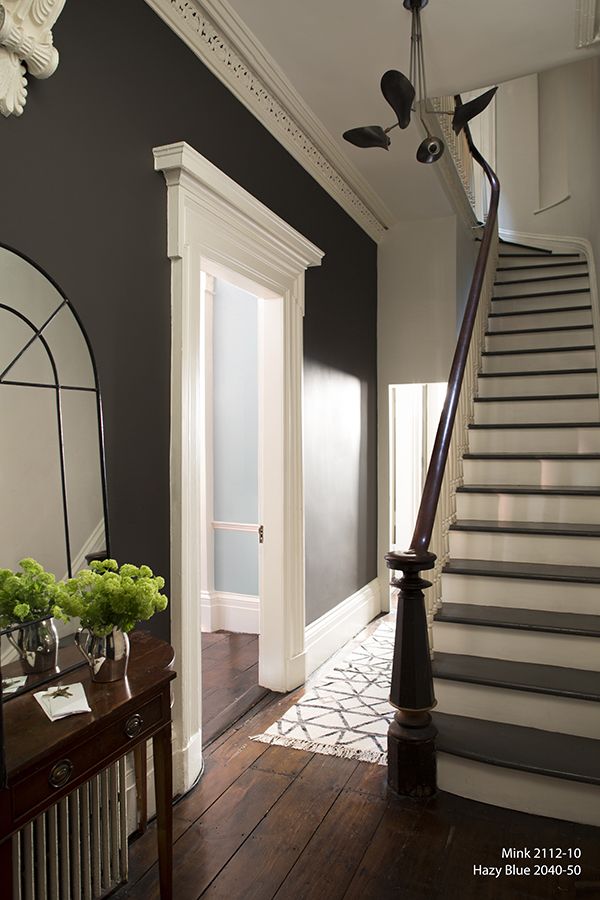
{"x": 40, "y": 787}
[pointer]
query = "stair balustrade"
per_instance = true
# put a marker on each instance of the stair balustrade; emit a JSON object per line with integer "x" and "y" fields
{"x": 411, "y": 736}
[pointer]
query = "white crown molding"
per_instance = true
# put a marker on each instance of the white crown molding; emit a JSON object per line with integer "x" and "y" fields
{"x": 586, "y": 31}
{"x": 217, "y": 35}
{"x": 25, "y": 37}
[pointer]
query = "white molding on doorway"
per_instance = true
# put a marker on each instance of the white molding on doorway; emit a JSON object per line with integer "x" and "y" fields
{"x": 327, "y": 634}
{"x": 224, "y": 43}
{"x": 213, "y": 222}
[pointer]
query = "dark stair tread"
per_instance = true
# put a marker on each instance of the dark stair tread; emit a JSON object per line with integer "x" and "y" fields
{"x": 522, "y": 425}
{"x": 579, "y": 262}
{"x": 548, "y": 490}
{"x": 520, "y": 619}
{"x": 571, "y": 456}
{"x": 532, "y": 247}
{"x": 539, "y": 312}
{"x": 560, "y": 277}
{"x": 542, "y": 528}
{"x": 527, "y": 571}
{"x": 544, "y": 372}
{"x": 575, "y": 349}
{"x": 536, "y": 397}
{"x": 577, "y": 684}
{"x": 544, "y": 294}
{"x": 539, "y": 330}
{"x": 517, "y": 747}
{"x": 546, "y": 255}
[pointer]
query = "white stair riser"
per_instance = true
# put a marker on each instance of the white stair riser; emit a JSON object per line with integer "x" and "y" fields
{"x": 523, "y": 385}
{"x": 542, "y": 795}
{"x": 543, "y": 472}
{"x": 532, "y": 548}
{"x": 521, "y": 593}
{"x": 534, "y": 440}
{"x": 524, "y": 411}
{"x": 520, "y": 269}
{"x": 530, "y": 304}
{"x": 540, "y": 362}
{"x": 540, "y": 320}
{"x": 532, "y": 340}
{"x": 541, "y": 286}
{"x": 529, "y": 508}
{"x": 545, "y": 648}
{"x": 532, "y": 710}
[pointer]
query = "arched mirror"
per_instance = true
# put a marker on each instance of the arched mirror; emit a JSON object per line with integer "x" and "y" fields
{"x": 53, "y": 503}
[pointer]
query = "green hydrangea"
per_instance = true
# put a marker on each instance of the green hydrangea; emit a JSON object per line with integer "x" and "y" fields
{"x": 106, "y": 596}
{"x": 29, "y": 594}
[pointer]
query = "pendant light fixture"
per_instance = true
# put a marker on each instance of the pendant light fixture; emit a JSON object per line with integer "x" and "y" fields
{"x": 401, "y": 93}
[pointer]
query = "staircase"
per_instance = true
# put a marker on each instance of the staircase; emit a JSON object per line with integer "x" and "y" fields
{"x": 517, "y": 640}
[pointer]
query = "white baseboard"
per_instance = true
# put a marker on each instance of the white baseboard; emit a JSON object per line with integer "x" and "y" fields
{"x": 327, "y": 634}
{"x": 230, "y": 612}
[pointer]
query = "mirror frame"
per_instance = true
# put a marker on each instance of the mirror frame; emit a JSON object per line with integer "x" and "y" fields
{"x": 57, "y": 387}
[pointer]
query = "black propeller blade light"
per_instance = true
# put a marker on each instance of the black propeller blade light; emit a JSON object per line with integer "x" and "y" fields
{"x": 401, "y": 92}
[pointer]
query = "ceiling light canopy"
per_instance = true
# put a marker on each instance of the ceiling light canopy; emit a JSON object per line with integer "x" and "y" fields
{"x": 401, "y": 92}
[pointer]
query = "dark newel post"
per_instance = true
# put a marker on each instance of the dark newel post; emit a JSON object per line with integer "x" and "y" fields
{"x": 411, "y": 736}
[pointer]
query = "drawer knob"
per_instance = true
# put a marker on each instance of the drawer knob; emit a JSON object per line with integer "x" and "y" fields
{"x": 60, "y": 773}
{"x": 134, "y": 725}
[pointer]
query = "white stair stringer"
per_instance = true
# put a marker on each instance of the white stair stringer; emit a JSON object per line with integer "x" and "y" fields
{"x": 531, "y": 497}
{"x": 527, "y": 792}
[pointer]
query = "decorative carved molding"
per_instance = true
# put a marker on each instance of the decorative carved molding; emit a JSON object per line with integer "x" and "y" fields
{"x": 450, "y": 167}
{"x": 587, "y": 30}
{"x": 218, "y": 37}
{"x": 25, "y": 47}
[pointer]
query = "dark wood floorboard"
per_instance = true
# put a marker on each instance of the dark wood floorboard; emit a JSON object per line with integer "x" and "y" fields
{"x": 229, "y": 680}
{"x": 266, "y": 822}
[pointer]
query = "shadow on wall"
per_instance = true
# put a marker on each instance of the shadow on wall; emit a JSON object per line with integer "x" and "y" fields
{"x": 339, "y": 447}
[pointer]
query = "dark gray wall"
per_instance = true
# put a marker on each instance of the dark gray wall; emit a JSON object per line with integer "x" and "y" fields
{"x": 79, "y": 195}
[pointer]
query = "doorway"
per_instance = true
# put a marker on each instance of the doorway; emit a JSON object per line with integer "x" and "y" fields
{"x": 414, "y": 417}
{"x": 231, "y": 609}
{"x": 213, "y": 222}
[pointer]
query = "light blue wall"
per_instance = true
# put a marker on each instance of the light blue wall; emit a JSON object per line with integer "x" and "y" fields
{"x": 235, "y": 380}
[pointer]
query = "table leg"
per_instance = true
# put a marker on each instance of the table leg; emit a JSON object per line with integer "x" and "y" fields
{"x": 141, "y": 785}
{"x": 163, "y": 785}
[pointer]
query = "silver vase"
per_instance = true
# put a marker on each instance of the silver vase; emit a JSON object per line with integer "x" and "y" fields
{"x": 107, "y": 655}
{"x": 37, "y": 646}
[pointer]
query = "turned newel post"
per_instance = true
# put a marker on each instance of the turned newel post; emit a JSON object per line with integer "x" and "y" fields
{"x": 411, "y": 736}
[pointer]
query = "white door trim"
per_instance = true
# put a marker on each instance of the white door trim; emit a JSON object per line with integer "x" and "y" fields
{"x": 213, "y": 221}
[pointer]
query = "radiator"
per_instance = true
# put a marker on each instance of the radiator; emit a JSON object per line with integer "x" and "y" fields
{"x": 77, "y": 850}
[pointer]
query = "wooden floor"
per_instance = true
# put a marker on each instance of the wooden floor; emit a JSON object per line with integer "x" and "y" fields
{"x": 229, "y": 680}
{"x": 267, "y": 821}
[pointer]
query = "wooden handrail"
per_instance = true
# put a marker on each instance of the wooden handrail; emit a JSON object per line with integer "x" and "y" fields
{"x": 411, "y": 736}
{"x": 435, "y": 474}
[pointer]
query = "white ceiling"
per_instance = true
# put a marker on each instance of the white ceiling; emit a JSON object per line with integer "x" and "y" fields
{"x": 334, "y": 52}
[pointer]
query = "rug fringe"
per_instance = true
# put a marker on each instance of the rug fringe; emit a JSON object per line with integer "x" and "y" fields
{"x": 372, "y": 756}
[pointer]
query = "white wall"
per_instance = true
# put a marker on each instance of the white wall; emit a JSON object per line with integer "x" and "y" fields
{"x": 548, "y": 125}
{"x": 424, "y": 268}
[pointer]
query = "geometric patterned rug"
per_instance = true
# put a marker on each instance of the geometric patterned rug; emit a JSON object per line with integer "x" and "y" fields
{"x": 345, "y": 712}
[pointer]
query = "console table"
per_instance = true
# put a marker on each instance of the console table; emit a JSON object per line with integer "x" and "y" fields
{"x": 46, "y": 760}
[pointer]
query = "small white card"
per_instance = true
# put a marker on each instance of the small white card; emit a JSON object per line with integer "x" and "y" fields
{"x": 10, "y": 685}
{"x": 60, "y": 701}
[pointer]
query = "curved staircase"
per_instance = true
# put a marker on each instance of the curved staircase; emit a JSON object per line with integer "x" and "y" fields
{"x": 517, "y": 641}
